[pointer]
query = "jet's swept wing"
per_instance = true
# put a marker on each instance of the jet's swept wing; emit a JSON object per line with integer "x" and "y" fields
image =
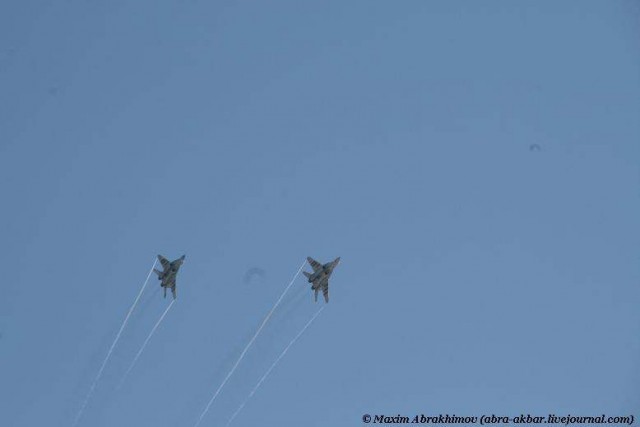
{"x": 165, "y": 262}
{"x": 173, "y": 291}
{"x": 314, "y": 264}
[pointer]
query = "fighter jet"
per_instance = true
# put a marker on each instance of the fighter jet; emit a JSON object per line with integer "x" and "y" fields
{"x": 319, "y": 279}
{"x": 167, "y": 277}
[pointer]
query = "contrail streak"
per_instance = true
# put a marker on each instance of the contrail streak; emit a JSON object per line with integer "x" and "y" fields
{"x": 264, "y": 322}
{"x": 264, "y": 377}
{"x": 135, "y": 359}
{"x": 106, "y": 359}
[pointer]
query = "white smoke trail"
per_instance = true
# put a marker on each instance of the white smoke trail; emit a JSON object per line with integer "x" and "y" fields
{"x": 135, "y": 359}
{"x": 106, "y": 359}
{"x": 264, "y": 377}
{"x": 264, "y": 322}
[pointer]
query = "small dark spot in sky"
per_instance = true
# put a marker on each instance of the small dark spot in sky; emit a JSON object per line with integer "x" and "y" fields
{"x": 534, "y": 147}
{"x": 253, "y": 273}
{"x": 53, "y": 91}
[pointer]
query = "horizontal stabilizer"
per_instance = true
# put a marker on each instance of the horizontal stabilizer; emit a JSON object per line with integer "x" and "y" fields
{"x": 158, "y": 272}
{"x": 306, "y": 274}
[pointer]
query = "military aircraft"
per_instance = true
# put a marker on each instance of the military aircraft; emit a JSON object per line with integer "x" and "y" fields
{"x": 319, "y": 279}
{"x": 167, "y": 277}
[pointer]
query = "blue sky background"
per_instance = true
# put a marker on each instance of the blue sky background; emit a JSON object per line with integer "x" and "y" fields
{"x": 477, "y": 276}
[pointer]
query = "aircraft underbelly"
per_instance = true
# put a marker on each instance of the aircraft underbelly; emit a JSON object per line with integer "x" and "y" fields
{"x": 319, "y": 283}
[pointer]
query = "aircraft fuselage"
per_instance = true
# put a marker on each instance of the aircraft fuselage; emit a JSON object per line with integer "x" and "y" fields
{"x": 169, "y": 278}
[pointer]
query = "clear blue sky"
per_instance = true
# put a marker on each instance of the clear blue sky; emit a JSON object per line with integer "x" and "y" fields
{"x": 477, "y": 276}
